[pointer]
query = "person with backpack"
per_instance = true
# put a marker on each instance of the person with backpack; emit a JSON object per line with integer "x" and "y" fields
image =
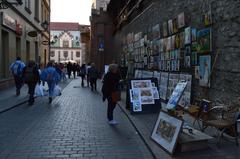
{"x": 93, "y": 76}
{"x": 17, "y": 69}
{"x": 51, "y": 76}
{"x": 31, "y": 78}
{"x": 83, "y": 73}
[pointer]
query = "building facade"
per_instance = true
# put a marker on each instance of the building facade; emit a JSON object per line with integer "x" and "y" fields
{"x": 69, "y": 41}
{"x": 97, "y": 4}
{"x": 191, "y": 38}
{"x": 17, "y": 21}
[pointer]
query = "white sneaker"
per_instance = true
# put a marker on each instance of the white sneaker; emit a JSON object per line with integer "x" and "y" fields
{"x": 113, "y": 122}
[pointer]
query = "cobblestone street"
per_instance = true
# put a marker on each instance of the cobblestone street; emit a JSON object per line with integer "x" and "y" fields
{"x": 73, "y": 126}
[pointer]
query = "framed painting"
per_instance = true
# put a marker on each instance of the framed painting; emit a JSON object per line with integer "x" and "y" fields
{"x": 176, "y": 95}
{"x": 181, "y": 20}
{"x": 166, "y": 131}
{"x": 204, "y": 39}
{"x": 165, "y": 29}
{"x": 204, "y": 70}
{"x": 170, "y": 27}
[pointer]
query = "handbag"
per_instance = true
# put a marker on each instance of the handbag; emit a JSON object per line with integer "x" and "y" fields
{"x": 116, "y": 96}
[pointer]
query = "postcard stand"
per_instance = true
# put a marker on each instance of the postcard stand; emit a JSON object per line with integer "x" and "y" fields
{"x": 146, "y": 108}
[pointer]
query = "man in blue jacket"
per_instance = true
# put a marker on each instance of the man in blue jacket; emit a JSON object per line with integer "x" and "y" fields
{"x": 51, "y": 76}
{"x": 17, "y": 69}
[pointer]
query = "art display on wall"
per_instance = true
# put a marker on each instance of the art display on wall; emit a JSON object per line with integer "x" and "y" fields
{"x": 155, "y": 93}
{"x": 194, "y": 58}
{"x": 207, "y": 18}
{"x": 175, "y": 25}
{"x": 204, "y": 70}
{"x": 204, "y": 40}
{"x": 163, "y": 85}
{"x": 186, "y": 96}
{"x": 147, "y": 74}
{"x": 176, "y": 95}
{"x": 196, "y": 72}
{"x": 166, "y": 131}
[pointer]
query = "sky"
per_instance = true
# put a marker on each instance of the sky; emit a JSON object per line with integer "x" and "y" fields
{"x": 71, "y": 11}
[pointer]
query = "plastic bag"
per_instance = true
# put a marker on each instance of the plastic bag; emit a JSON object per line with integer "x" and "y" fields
{"x": 57, "y": 90}
{"x": 39, "y": 90}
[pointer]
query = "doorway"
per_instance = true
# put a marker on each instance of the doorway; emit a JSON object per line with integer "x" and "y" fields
{"x": 4, "y": 57}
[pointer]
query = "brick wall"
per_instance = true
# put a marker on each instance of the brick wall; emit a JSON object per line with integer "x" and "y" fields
{"x": 225, "y": 81}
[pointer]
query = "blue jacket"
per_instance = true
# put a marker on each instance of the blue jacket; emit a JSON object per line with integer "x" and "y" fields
{"x": 21, "y": 66}
{"x": 50, "y": 74}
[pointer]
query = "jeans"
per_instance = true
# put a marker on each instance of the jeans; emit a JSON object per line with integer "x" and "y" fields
{"x": 31, "y": 90}
{"x": 18, "y": 83}
{"x": 51, "y": 86}
{"x": 93, "y": 82}
{"x": 110, "y": 109}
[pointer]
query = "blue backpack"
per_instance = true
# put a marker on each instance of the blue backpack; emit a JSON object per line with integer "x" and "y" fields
{"x": 16, "y": 70}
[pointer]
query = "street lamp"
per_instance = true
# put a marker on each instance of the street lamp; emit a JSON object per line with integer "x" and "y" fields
{"x": 4, "y": 4}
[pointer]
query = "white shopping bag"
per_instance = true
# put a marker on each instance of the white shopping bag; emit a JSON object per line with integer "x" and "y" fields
{"x": 45, "y": 87}
{"x": 39, "y": 90}
{"x": 57, "y": 90}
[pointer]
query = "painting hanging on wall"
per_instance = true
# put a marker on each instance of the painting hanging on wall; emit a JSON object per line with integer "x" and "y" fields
{"x": 187, "y": 35}
{"x": 175, "y": 25}
{"x": 196, "y": 70}
{"x": 165, "y": 29}
{"x": 166, "y": 131}
{"x": 207, "y": 18}
{"x": 194, "y": 58}
{"x": 194, "y": 34}
{"x": 204, "y": 70}
{"x": 181, "y": 20}
{"x": 204, "y": 40}
{"x": 170, "y": 27}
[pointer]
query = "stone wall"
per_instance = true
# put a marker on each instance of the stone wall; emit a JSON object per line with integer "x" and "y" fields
{"x": 225, "y": 81}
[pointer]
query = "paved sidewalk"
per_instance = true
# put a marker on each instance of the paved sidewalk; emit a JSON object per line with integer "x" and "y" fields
{"x": 73, "y": 126}
{"x": 9, "y": 99}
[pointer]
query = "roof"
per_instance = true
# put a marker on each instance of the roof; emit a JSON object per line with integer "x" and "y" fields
{"x": 64, "y": 26}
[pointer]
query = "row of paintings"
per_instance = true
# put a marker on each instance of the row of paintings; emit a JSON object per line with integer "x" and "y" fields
{"x": 167, "y": 83}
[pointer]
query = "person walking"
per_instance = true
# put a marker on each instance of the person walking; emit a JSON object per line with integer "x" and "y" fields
{"x": 110, "y": 90}
{"x": 50, "y": 75}
{"x": 83, "y": 73}
{"x": 93, "y": 76}
{"x": 88, "y": 78}
{"x": 31, "y": 78}
{"x": 17, "y": 69}
{"x": 69, "y": 69}
{"x": 74, "y": 69}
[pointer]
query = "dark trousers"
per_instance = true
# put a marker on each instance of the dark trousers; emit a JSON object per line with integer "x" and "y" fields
{"x": 31, "y": 90}
{"x": 93, "y": 82}
{"x": 88, "y": 80}
{"x": 18, "y": 83}
{"x": 82, "y": 83}
{"x": 110, "y": 109}
{"x": 69, "y": 74}
{"x": 74, "y": 74}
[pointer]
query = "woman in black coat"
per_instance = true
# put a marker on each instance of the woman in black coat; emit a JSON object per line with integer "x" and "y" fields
{"x": 110, "y": 86}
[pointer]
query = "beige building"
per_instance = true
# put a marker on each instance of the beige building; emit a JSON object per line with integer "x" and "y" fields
{"x": 97, "y": 4}
{"x": 17, "y": 22}
{"x": 66, "y": 42}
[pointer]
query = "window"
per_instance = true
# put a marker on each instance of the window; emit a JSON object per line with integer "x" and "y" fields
{"x": 37, "y": 10}
{"x": 65, "y": 43}
{"x": 52, "y": 53}
{"x": 65, "y": 54}
{"x": 28, "y": 6}
{"x": 77, "y": 54}
{"x": 71, "y": 55}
